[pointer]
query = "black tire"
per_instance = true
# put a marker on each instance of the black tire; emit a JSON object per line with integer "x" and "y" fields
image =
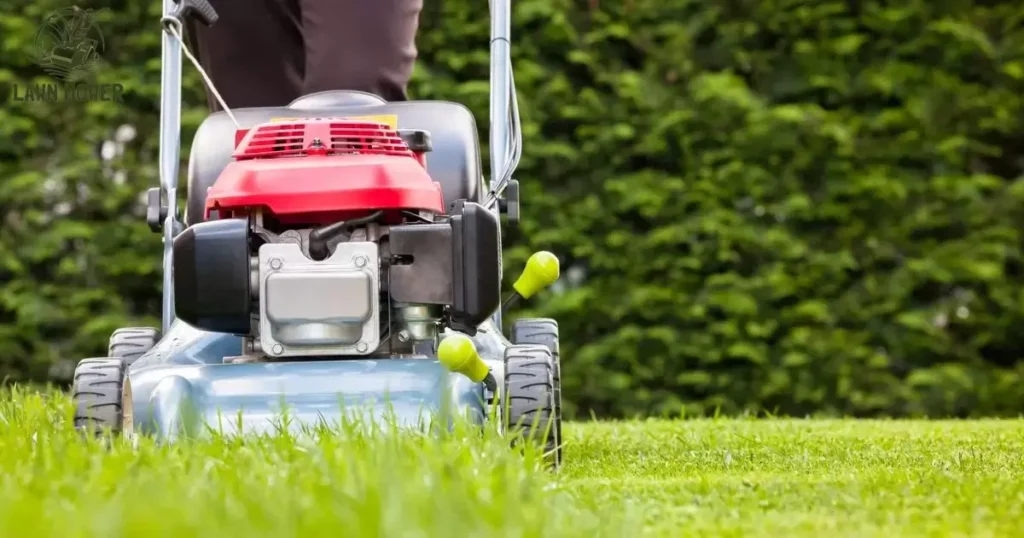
{"x": 130, "y": 343}
{"x": 102, "y": 395}
{"x": 530, "y": 398}
{"x": 544, "y": 332}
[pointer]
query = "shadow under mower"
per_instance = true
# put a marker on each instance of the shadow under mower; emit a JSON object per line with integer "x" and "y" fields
{"x": 340, "y": 252}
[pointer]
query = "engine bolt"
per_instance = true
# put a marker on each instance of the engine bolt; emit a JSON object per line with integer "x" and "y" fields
{"x": 403, "y": 336}
{"x": 278, "y": 349}
{"x": 360, "y": 261}
{"x": 275, "y": 263}
{"x": 361, "y": 347}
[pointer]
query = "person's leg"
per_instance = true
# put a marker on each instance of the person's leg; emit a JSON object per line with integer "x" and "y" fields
{"x": 366, "y": 45}
{"x": 253, "y": 53}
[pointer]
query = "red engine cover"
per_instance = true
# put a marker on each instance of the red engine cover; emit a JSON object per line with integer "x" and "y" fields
{"x": 319, "y": 169}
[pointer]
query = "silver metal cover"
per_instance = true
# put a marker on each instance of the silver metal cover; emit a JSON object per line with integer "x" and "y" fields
{"x": 312, "y": 308}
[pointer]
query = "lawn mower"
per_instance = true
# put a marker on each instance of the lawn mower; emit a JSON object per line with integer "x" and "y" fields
{"x": 340, "y": 252}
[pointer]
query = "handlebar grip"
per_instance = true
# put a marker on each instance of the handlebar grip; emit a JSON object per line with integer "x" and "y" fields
{"x": 201, "y": 10}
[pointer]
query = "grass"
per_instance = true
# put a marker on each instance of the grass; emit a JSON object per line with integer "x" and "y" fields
{"x": 658, "y": 478}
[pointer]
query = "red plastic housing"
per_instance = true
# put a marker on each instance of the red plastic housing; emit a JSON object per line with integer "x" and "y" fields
{"x": 320, "y": 170}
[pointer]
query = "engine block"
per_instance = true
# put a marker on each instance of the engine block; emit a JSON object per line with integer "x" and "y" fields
{"x": 356, "y": 288}
{"x": 319, "y": 308}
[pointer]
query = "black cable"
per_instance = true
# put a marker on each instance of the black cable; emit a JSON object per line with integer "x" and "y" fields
{"x": 318, "y": 238}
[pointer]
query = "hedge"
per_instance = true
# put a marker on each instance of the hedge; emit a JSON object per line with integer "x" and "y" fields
{"x": 782, "y": 206}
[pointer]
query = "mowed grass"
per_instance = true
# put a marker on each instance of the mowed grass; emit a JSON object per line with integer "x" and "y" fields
{"x": 806, "y": 477}
{"x": 656, "y": 478}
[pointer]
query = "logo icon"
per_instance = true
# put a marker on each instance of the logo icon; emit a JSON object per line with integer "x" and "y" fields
{"x": 68, "y": 44}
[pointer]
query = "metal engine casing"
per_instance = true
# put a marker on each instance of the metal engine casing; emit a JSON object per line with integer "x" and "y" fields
{"x": 321, "y": 308}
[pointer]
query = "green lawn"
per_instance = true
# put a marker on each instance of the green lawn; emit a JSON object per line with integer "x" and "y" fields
{"x": 662, "y": 478}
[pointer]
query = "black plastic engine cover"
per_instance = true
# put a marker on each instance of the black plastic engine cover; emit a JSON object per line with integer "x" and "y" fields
{"x": 476, "y": 264}
{"x": 211, "y": 276}
{"x": 426, "y": 275}
{"x": 456, "y": 264}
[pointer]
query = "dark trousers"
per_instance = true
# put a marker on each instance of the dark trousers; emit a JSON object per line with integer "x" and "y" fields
{"x": 270, "y": 52}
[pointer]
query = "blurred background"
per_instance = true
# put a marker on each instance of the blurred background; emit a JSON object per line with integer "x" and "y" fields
{"x": 791, "y": 207}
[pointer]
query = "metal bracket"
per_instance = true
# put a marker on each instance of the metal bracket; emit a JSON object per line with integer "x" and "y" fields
{"x": 156, "y": 209}
{"x": 509, "y": 203}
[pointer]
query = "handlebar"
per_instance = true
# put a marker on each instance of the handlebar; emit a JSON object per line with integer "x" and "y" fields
{"x": 201, "y": 10}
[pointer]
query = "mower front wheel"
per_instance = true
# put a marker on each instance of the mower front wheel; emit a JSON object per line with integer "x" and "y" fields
{"x": 544, "y": 332}
{"x": 130, "y": 343}
{"x": 102, "y": 395}
{"x": 530, "y": 389}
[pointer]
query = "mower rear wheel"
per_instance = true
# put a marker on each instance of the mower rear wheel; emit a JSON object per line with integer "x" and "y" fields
{"x": 530, "y": 398}
{"x": 102, "y": 395}
{"x": 544, "y": 332}
{"x": 130, "y": 343}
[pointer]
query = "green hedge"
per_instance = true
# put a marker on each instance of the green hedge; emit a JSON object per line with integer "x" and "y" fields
{"x": 798, "y": 207}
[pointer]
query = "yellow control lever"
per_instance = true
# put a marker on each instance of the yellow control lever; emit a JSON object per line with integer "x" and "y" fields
{"x": 458, "y": 354}
{"x": 541, "y": 271}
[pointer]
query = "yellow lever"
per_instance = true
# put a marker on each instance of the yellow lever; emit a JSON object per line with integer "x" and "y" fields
{"x": 458, "y": 354}
{"x": 541, "y": 271}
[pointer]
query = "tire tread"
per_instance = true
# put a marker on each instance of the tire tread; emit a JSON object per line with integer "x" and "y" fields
{"x": 131, "y": 343}
{"x": 529, "y": 391}
{"x": 544, "y": 332}
{"x": 97, "y": 394}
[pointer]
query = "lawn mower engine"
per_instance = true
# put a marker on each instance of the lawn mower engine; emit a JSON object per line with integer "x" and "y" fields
{"x": 327, "y": 238}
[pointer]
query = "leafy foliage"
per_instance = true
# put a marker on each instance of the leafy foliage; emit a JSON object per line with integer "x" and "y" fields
{"x": 794, "y": 206}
